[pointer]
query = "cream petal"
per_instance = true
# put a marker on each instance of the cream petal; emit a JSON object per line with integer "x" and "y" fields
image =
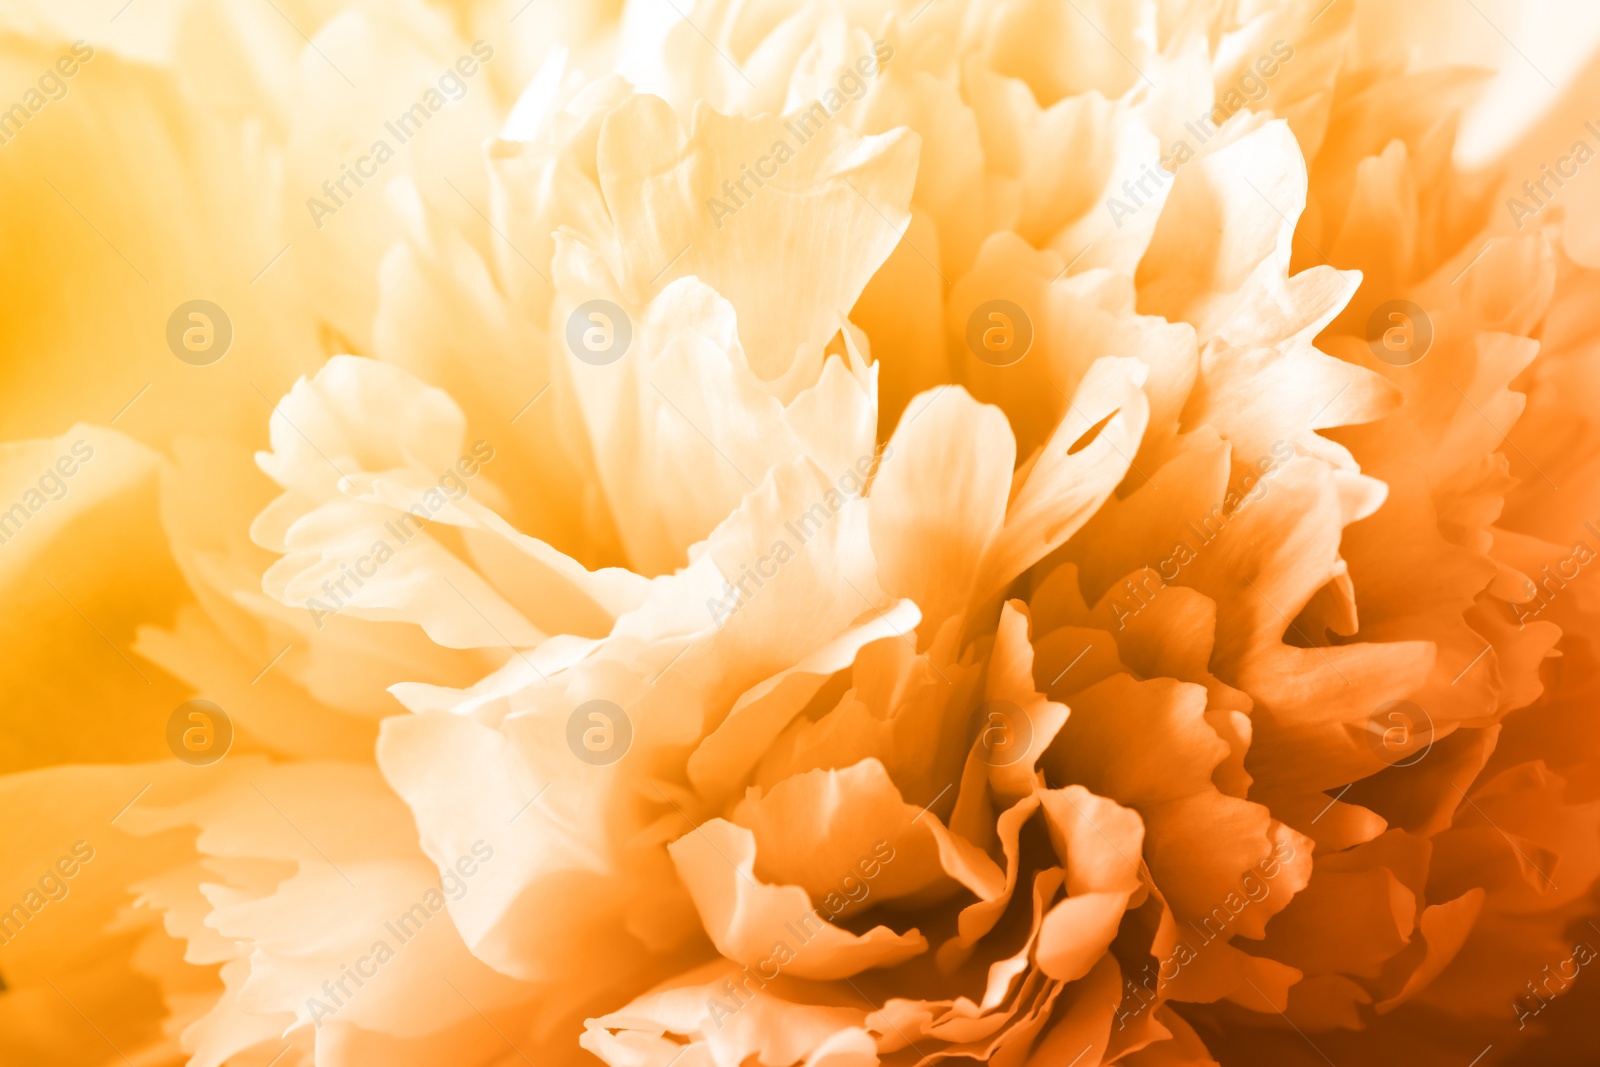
{"x": 1249, "y": 183}
{"x": 812, "y": 830}
{"x": 1095, "y": 839}
{"x": 745, "y": 917}
{"x": 731, "y": 751}
{"x": 398, "y": 56}
{"x": 726, "y": 1029}
{"x": 843, "y": 203}
{"x": 957, "y": 459}
{"x": 1011, "y": 685}
{"x": 1062, "y": 486}
{"x": 547, "y": 849}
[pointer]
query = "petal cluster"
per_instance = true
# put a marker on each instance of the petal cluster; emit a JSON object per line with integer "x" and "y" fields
{"x": 817, "y": 533}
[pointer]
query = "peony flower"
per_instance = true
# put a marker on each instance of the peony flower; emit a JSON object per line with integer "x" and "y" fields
{"x": 802, "y": 534}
